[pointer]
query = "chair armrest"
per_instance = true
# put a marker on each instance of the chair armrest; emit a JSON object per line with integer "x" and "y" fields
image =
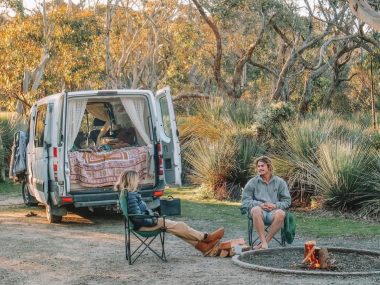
{"x": 244, "y": 210}
{"x": 140, "y": 216}
{"x": 163, "y": 219}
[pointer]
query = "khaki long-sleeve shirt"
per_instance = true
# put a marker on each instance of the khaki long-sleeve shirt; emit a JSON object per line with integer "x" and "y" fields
{"x": 256, "y": 192}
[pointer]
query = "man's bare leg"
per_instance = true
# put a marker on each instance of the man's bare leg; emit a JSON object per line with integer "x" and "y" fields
{"x": 277, "y": 224}
{"x": 258, "y": 223}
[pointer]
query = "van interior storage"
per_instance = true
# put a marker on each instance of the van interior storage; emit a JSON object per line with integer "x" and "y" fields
{"x": 110, "y": 135}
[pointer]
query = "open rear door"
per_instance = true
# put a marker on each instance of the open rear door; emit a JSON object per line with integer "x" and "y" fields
{"x": 38, "y": 153}
{"x": 169, "y": 137}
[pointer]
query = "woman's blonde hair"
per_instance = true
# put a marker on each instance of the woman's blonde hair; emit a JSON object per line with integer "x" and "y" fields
{"x": 128, "y": 180}
{"x": 265, "y": 160}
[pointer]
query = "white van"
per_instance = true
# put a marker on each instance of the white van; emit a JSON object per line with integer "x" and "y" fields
{"x": 78, "y": 143}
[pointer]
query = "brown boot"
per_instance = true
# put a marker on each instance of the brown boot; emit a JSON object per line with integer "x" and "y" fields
{"x": 205, "y": 247}
{"x": 215, "y": 235}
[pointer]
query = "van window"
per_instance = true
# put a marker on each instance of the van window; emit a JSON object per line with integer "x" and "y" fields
{"x": 40, "y": 126}
{"x": 165, "y": 116}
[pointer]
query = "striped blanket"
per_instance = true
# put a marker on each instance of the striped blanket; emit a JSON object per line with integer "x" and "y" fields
{"x": 100, "y": 169}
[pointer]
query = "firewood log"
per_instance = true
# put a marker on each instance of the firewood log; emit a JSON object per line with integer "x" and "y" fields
{"x": 324, "y": 258}
{"x": 224, "y": 253}
{"x": 231, "y": 243}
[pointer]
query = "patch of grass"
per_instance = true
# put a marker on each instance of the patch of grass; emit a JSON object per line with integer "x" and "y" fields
{"x": 195, "y": 208}
{"x": 335, "y": 226}
{"x": 9, "y": 187}
{"x": 228, "y": 214}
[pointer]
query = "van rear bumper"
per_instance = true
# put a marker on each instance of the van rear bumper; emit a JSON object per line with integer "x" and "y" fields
{"x": 105, "y": 199}
{"x": 94, "y": 199}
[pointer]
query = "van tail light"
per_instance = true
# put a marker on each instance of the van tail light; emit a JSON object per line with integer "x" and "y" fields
{"x": 55, "y": 152}
{"x": 158, "y": 193}
{"x": 67, "y": 199}
{"x": 160, "y": 162}
{"x": 55, "y": 163}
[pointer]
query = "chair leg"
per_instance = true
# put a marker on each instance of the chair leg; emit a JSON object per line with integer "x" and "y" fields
{"x": 126, "y": 239}
{"x": 283, "y": 244}
{"x": 128, "y": 248}
{"x": 250, "y": 232}
{"x": 144, "y": 245}
{"x": 162, "y": 237}
{"x": 253, "y": 242}
{"x": 278, "y": 241}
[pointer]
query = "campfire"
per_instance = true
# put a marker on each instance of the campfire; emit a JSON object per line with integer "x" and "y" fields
{"x": 317, "y": 257}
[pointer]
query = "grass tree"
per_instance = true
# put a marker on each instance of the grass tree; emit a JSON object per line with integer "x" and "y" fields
{"x": 219, "y": 144}
{"x": 212, "y": 165}
{"x": 344, "y": 172}
{"x": 297, "y": 152}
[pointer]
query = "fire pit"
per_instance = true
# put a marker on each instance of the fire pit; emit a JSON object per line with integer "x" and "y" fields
{"x": 289, "y": 260}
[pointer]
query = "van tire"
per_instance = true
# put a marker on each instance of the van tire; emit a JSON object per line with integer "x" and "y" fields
{"x": 29, "y": 200}
{"x": 49, "y": 215}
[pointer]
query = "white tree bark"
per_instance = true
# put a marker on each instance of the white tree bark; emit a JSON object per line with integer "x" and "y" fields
{"x": 364, "y": 12}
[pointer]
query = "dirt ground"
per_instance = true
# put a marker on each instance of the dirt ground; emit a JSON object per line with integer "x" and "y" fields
{"x": 88, "y": 248}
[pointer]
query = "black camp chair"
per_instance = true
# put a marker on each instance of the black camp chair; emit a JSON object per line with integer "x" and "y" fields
{"x": 254, "y": 240}
{"x": 144, "y": 237}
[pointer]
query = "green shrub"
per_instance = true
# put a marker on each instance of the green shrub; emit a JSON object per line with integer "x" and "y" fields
{"x": 297, "y": 152}
{"x": 218, "y": 145}
{"x": 248, "y": 148}
{"x": 212, "y": 164}
{"x": 370, "y": 206}
{"x": 270, "y": 117}
{"x": 374, "y": 140}
{"x": 343, "y": 173}
{"x": 369, "y": 198}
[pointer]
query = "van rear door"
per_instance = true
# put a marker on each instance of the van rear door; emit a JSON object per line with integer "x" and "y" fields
{"x": 169, "y": 137}
{"x": 39, "y": 155}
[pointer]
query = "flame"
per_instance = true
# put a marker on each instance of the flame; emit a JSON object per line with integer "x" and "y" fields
{"x": 310, "y": 256}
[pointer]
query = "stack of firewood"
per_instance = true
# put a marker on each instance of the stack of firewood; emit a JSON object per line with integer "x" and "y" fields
{"x": 229, "y": 248}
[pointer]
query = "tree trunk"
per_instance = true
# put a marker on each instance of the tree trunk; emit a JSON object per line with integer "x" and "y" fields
{"x": 2, "y": 164}
{"x": 363, "y": 11}
{"x": 373, "y": 100}
{"x": 218, "y": 40}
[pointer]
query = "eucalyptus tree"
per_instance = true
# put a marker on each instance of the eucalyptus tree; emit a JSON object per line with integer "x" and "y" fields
{"x": 261, "y": 20}
{"x": 367, "y": 11}
{"x": 224, "y": 19}
{"x": 137, "y": 38}
{"x": 339, "y": 52}
{"x": 31, "y": 75}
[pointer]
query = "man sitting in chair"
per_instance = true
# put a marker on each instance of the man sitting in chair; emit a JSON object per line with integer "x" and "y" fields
{"x": 267, "y": 197}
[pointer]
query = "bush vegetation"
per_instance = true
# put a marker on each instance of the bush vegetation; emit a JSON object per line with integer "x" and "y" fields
{"x": 331, "y": 157}
{"x": 9, "y": 124}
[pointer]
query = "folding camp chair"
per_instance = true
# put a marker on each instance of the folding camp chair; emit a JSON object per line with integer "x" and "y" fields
{"x": 145, "y": 237}
{"x": 252, "y": 241}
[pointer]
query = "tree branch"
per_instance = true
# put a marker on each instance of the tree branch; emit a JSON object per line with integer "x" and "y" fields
{"x": 264, "y": 67}
{"x": 363, "y": 11}
{"x": 218, "y": 39}
{"x": 245, "y": 58}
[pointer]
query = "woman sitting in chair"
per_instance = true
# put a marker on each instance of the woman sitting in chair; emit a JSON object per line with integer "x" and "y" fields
{"x": 129, "y": 181}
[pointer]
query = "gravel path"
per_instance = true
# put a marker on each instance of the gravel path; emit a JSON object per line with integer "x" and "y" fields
{"x": 89, "y": 249}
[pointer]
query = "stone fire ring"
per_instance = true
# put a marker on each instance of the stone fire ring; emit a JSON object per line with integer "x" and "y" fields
{"x": 237, "y": 259}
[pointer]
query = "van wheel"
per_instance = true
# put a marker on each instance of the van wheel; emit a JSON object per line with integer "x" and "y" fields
{"x": 29, "y": 200}
{"x": 49, "y": 215}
